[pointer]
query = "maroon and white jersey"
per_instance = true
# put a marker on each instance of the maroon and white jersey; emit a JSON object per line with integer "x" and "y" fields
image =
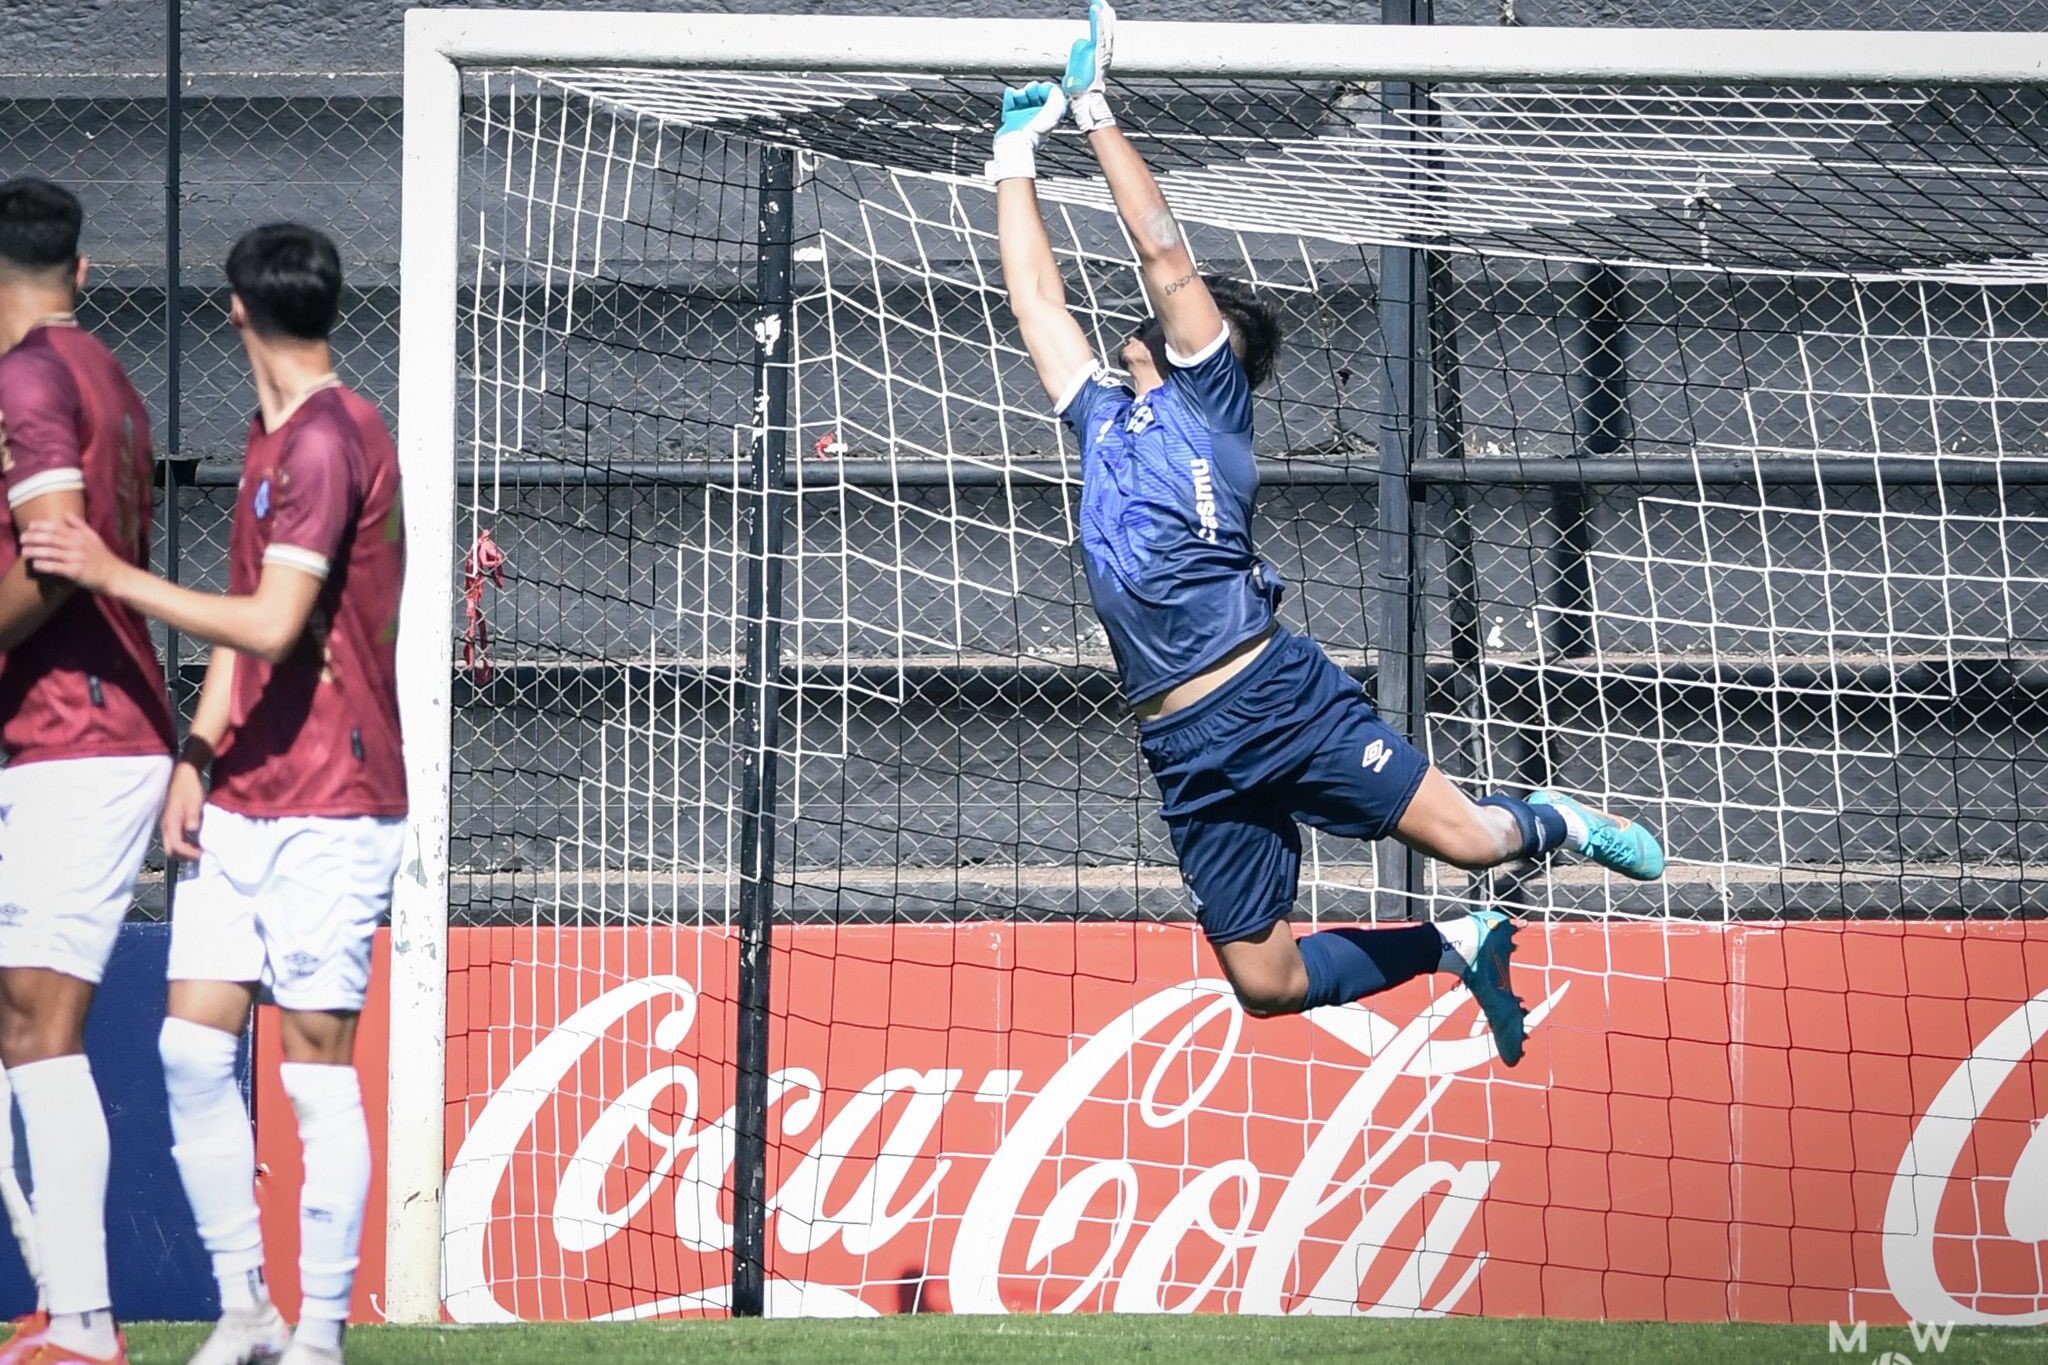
{"x": 317, "y": 734}
{"x": 87, "y": 683}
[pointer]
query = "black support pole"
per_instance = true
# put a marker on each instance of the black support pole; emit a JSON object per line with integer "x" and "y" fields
{"x": 1404, "y": 341}
{"x": 1598, "y": 387}
{"x": 174, "y": 357}
{"x": 174, "y": 307}
{"x": 760, "y": 728}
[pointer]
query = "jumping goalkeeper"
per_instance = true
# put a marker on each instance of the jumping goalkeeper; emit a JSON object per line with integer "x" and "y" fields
{"x": 1249, "y": 729}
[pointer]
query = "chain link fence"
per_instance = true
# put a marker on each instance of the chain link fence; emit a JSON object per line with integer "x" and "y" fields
{"x": 305, "y": 122}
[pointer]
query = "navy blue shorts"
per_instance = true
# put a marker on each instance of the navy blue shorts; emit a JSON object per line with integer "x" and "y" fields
{"x": 1290, "y": 741}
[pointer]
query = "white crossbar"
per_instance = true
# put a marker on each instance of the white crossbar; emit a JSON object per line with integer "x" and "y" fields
{"x": 1307, "y": 51}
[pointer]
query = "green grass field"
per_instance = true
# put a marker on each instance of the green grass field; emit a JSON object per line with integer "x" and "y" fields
{"x": 1194, "y": 1341}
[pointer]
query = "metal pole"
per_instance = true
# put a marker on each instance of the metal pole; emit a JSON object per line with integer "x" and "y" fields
{"x": 1404, "y": 340}
{"x": 174, "y": 328}
{"x": 1598, "y": 386}
{"x": 1461, "y": 564}
{"x": 759, "y": 729}
{"x": 174, "y": 311}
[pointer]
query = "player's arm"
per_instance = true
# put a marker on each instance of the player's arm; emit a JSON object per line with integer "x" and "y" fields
{"x": 185, "y": 798}
{"x": 315, "y": 503}
{"x": 28, "y": 598}
{"x": 43, "y": 472}
{"x": 266, "y": 623}
{"x": 1179, "y": 297}
{"x": 1058, "y": 347}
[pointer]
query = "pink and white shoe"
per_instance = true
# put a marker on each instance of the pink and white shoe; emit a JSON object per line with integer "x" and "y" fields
{"x": 26, "y": 1335}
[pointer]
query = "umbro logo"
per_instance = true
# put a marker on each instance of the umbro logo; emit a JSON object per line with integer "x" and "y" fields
{"x": 1377, "y": 755}
{"x": 11, "y": 913}
{"x": 301, "y": 964}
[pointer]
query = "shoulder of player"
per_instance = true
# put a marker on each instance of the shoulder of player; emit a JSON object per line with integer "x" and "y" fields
{"x": 1098, "y": 378}
{"x": 85, "y": 352}
{"x": 34, "y": 366}
{"x": 1202, "y": 354}
{"x": 329, "y": 421}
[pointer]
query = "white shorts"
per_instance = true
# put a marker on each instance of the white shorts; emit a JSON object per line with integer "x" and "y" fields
{"x": 289, "y": 904}
{"x": 73, "y": 832}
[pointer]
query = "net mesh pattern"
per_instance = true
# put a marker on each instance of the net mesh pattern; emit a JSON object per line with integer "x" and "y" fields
{"x": 1767, "y": 287}
{"x": 1730, "y": 520}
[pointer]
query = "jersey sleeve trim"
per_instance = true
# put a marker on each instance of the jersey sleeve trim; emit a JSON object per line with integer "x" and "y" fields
{"x": 1082, "y": 376}
{"x": 297, "y": 557}
{"x": 49, "y": 481}
{"x": 1189, "y": 361}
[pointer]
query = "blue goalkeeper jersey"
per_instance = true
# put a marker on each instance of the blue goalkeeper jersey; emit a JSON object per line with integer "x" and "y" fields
{"x": 1167, "y": 487}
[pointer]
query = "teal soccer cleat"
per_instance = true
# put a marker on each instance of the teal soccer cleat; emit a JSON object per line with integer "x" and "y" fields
{"x": 1622, "y": 845}
{"x": 1486, "y": 976}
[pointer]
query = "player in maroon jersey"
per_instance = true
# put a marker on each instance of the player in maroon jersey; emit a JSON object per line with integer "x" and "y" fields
{"x": 293, "y": 851}
{"x": 87, "y": 731}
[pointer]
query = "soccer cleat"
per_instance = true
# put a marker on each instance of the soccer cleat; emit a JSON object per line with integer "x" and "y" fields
{"x": 300, "y": 1353}
{"x": 245, "y": 1336}
{"x": 1617, "y": 844}
{"x": 28, "y": 1332}
{"x": 50, "y": 1353}
{"x": 1486, "y": 976}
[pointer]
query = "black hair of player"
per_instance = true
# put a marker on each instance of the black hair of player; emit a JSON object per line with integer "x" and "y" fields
{"x": 1254, "y": 330}
{"x": 288, "y": 277}
{"x": 39, "y": 224}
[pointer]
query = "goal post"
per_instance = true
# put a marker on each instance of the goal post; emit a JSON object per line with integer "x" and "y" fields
{"x": 500, "y": 378}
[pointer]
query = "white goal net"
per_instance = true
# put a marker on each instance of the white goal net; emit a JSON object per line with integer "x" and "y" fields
{"x": 1728, "y": 514}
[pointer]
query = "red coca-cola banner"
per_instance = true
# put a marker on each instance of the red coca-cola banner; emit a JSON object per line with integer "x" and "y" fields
{"x": 1809, "y": 1122}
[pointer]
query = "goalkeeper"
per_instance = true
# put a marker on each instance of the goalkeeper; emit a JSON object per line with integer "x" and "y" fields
{"x": 1249, "y": 729}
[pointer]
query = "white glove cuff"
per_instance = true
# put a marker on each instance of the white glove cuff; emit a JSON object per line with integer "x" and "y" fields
{"x": 1091, "y": 111}
{"x": 1013, "y": 158}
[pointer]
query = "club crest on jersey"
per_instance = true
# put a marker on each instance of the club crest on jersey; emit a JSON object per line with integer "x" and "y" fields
{"x": 1140, "y": 417}
{"x": 260, "y": 504}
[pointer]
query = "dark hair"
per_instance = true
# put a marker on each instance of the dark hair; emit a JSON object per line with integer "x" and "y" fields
{"x": 39, "y": 223}
{"x": 288, "y": 277}
{"x": 1254, "y": 328}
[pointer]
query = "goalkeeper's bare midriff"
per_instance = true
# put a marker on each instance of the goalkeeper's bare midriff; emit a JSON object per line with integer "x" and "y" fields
{"x": 1202, "y": 684}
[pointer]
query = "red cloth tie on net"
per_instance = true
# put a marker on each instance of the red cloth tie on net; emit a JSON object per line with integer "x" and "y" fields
{"x": 483, "y": 566}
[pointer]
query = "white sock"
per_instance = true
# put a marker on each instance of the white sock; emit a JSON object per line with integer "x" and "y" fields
{"x": 215, "y": 1149}
{"x": 66, "y": 1131}
{"x": 20, "y": 1216}
{"x": 1576, "y": 830}
{"x": 329, "y": 1103}
{"x": 323, "y": 1334}
{"x": 1461, "y": 940}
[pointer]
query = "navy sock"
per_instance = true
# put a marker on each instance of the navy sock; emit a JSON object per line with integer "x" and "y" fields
{"x": 1349, "y": 964}
{"x": 1542, "y": 828}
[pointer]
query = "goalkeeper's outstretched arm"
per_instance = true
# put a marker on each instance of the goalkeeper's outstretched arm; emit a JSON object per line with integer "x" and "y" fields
{"x": 1179, "y": 297}
{"x": 1038, "y": 296}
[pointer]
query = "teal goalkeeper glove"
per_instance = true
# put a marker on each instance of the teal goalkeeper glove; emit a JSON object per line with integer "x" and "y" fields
{"x": 1088, "y": 71}
{"x": 1028, "y": 114}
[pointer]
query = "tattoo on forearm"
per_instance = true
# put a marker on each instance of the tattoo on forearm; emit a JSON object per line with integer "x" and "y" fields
{"x": 1160, "y": 227}
{"x": 1175, "y": 286}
